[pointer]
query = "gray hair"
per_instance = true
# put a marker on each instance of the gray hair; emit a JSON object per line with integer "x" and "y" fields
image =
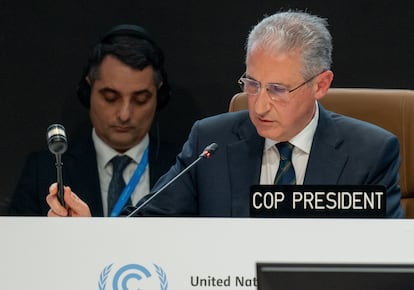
{"x": 284, "y": 32}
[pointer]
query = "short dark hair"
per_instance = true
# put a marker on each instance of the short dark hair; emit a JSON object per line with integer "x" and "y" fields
{"x": 133, "y": 46}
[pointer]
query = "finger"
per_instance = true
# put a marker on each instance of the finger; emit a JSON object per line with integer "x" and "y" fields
{"x": 51, "y": 213}
{"x": 53, "y": 201}
{"x": 77, "y": 207}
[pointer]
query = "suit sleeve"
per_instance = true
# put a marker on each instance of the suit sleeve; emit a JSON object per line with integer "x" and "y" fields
{"x": 386, "y": 172}
{"x": 29, "y": 197}
{"x": 180, "y": 197}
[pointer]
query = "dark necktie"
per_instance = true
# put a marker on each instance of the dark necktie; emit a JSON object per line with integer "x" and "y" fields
{"x": 286, "y": 173}
{"x": 117, "y": 184}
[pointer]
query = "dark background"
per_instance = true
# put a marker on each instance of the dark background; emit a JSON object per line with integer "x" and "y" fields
{"x": 44, "y": 46}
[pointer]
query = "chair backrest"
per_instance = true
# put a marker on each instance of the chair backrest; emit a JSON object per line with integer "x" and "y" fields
{"x": 391, "y": 109}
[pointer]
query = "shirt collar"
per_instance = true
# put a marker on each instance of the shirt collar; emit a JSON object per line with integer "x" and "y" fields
{"x": 303, "y": 140}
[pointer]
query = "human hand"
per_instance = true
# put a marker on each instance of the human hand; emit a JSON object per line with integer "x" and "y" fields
{"x": 75, "y": 207}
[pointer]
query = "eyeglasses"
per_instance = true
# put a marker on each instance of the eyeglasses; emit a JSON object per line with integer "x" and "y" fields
{"x": 275, "y": 91}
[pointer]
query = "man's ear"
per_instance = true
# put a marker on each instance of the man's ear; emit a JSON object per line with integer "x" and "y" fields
{"x": 323, "y": 83}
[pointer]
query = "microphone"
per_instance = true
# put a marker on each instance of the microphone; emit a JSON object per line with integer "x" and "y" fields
{"x": 57, "y": 144}
{"x": 206, "y": 154}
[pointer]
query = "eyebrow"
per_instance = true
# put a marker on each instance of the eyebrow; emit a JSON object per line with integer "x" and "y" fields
{"x": 108, "y": 90}
{"x": 271, "y": 83}
{"x": 250, "y": 77}
{"x": 111, "y": 90}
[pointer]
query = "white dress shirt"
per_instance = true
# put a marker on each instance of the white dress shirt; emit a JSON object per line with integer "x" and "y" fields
{"x": 300, "y": 154}
{"x": 105, "y": 153}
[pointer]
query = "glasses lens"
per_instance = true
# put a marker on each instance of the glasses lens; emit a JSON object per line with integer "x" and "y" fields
{"x": 276, "y": 91}
{"x": 250, "y": 86}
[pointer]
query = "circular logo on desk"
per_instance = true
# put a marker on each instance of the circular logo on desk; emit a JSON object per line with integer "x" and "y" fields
{"x": 133, "y": 276}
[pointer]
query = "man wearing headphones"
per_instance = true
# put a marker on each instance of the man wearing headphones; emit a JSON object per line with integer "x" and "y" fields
{"x": 123, "y": 87}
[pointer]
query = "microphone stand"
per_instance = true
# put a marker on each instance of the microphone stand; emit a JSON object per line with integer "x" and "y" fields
{"x": 207, "y": 152}
{"x": 165, "y": 185}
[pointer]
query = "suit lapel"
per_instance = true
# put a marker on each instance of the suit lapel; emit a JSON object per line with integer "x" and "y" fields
{"x": 153, "y": 161}
{"x": 245, "y": 157}
{"x": 161, "y": 157}
{"x": 327, "y": 158}
{"x": 83, "y": 174}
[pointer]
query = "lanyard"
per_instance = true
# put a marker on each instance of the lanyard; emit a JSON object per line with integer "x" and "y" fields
{"x": 130, "y": 187}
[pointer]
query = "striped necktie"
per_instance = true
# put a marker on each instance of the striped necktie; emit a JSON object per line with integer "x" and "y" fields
{"x": 286, "y": 173}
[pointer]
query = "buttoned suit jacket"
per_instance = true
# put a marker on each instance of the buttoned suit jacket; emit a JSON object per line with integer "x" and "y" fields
{"x": 80, "y": 172}
{"x": 344, "y": 151}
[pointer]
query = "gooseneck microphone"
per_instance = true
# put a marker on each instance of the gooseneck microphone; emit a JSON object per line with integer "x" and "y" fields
{"x": 57, "y": 144}
{"x": 206, "y": 154}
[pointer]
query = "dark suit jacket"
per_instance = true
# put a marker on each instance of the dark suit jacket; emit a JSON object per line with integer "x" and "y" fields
{"x": 79, "y": 172}
{"x": 344, "y": 151}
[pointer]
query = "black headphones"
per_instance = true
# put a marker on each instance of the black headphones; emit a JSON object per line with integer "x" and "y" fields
{"x": 84, "y": 90}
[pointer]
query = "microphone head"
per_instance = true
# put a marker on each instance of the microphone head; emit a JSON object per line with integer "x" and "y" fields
{"x": 56, "y": 139}
{"x": 209, "y": 150}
